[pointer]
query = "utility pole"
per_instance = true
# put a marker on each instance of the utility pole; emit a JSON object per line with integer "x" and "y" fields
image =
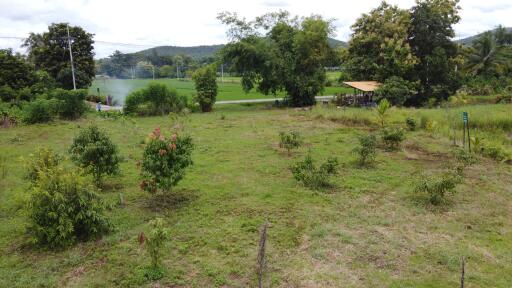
{"x": 222, "y": 73}
{"x": 71, "y": 58}
{"x": 177, "y": 71}
{"x": 153, "y": 66}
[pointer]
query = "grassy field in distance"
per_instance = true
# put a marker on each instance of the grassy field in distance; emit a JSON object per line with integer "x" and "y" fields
{"x": 368, "y": 231}
{"x": 231, "y": 89}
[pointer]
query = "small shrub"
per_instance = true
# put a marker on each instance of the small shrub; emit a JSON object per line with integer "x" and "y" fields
{"x": 382, "y": 111}
{"x": 71, "y": 104}
{"x": 289, "y": 141}
{"x": 205, "y": 80}
{"x": 392, "y": 138}
{"x": 315, "y": 177}
{"x": 39, "y": 111}
{"x": 496, "y": 153}
{"x": 438, "y": 187}
{"x": 164, "y": 161}
{"x": 463, "y": 160}
{"x": 41, "y": 162}
{"x": 64, "y": 208}
{"x": 93, "y": 150}
{"x": 155, "y": 241}
{"x": 411, "y": 124}
{"x": 366, "y": 151}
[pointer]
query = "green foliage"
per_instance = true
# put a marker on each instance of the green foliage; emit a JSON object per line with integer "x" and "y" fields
{"x": 463, "y": 160}
{"x": 7, "y": 94}
{"x": 289, "y": 57}
{"x": 93, "y": 150}
{"x": 290, "y": 140}
{"x": 430, "y": 37}
{"x": 393, "y": 137}
{"x": 49, "y": 51}
{"x": 164, "y": 161}
{"x": 312, "y": 176}
{"x": 366, "y": 151}
{"x": 153, "y": 100}
{"x": 206, "y": 86}
{"x": 70, "y": 104}
{"x": 438, "y": 187}
{"x": 155, "y": 241}
{"x": 396, "y": 90}
{"x": 411, "y": 124}
{"x": 15, "y": 72}
{"x": 496, "y": 153}
{"x": 379, "y": 46}
{"x": 64, "y": 208}
{"x": 39, "y": 111}
{"x": 382, "y": 111}
{"x": 40, "y": 163}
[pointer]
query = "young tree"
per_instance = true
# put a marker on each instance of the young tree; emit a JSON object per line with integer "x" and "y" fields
{"x": 206, "y": 86}
{"x": 379, "y": 48}
{"x": 289, "y": 57}
{"x": 93, "y": 150}
{"x": 49, "y": 51}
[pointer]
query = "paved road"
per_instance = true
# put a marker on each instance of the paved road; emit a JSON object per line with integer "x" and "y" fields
{"x": 318, "y": 98}
{"x": 268, "y": 100}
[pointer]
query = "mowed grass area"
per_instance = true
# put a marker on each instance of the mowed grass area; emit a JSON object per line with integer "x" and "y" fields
{"x": 230, "y": 89}
{"x": 369, "y": 231}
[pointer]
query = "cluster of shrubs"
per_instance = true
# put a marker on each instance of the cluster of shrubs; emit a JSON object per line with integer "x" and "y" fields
{"x": 155, "y": 99}
{"x": 45, "y": 107}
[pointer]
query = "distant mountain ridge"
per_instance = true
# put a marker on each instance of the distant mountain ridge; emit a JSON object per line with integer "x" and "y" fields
{"x": 469, "y": 40}
{"x": 204, "y": 51}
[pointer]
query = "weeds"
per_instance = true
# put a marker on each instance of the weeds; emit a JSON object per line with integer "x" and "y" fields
{"x": 366, "y": 151}
{"x": 289, "y": 141}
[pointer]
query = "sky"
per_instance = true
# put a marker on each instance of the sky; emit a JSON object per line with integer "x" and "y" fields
{"x": 137, "y": 25}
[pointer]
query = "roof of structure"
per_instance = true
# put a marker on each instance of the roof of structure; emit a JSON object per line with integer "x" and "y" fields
{"x": 366, "y": 86}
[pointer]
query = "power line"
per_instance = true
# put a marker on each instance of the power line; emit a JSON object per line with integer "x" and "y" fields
{"x": 95, "y": 41}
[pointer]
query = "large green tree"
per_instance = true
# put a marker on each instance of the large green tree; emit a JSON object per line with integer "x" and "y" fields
{"x": 15, "y": 72}
{"x": 276, "y": 52}
{"x": 430, "y": 34}
{"x": 49, "y": 51}
{"x": 378, "y": 48}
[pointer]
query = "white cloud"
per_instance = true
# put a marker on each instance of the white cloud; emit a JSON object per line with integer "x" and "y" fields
{"x": 193, "y": 22}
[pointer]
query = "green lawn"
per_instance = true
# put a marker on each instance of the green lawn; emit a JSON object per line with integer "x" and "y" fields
{"x": 369, "y": 231}
{"x": 230, "y": 89}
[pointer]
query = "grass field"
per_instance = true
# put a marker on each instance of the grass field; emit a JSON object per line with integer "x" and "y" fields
{"x": 369, "y": 231}
{"x": 230, "y": 89}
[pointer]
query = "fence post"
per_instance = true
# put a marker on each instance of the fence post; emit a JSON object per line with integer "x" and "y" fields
{"x": 261, "y": 254}
{"x": 462, "y": 272}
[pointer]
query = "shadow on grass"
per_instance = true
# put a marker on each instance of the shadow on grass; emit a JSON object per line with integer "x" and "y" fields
{"x": 173, "y": 199}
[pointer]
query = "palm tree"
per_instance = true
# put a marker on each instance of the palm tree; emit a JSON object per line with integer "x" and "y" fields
{"x": 490, "y": 53}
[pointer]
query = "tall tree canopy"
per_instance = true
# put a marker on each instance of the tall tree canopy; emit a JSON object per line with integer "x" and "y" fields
{"x": 430, "y": 35}
{"x": 49, "y": 51}
{"x": 414, "y": 45}
{"x": 379, "y": 48}
{"x": 15, "y": 72}
{"x": 276, "y": 52}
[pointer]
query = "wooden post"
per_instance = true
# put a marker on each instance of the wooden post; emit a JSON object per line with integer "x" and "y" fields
{"x": 462, "y": 272}
{"x": 261, "y": 254}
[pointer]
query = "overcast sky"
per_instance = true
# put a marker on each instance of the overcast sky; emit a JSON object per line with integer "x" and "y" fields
{"x": 151, "y": 23}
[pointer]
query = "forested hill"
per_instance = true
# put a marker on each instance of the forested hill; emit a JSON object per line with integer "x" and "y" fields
{"x": 203, "y": 51}
{"x": 469, "y": 40}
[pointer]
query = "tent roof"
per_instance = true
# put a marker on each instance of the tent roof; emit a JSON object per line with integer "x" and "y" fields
{"x": 366, "y": 86}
